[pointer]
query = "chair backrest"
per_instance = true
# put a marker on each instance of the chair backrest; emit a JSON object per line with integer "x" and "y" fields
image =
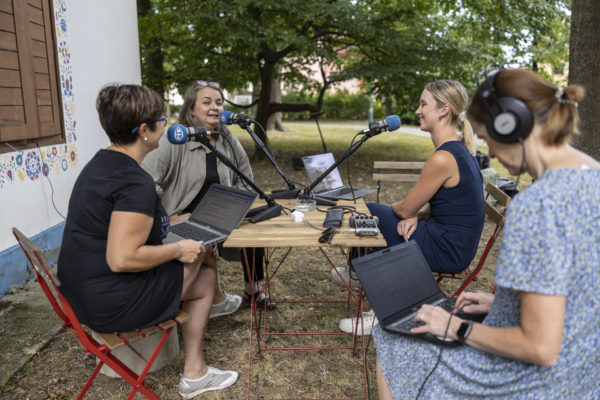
{"x": 59, "y": 303}
{"x": 47, "y": 280}
{"x": 496, "y": 215}
{"x": 109, "y": 341}
{"x": 396, "y": 171}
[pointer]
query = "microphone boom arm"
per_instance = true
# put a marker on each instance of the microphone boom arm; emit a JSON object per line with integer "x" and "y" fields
{"x": 272, "y": 209}
{"x": 292, "y": 192}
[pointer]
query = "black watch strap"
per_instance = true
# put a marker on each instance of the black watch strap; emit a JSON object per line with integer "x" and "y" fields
{"x": 464, "y": 330}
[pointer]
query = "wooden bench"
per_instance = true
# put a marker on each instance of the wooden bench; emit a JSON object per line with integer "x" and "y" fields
{"x": 396, "y": 171}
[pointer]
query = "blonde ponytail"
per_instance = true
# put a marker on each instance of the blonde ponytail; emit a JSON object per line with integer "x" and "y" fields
{"x": 468, "y": 138}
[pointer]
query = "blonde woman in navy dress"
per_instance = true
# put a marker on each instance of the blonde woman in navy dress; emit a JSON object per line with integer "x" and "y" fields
{"x": 540, "y": 337}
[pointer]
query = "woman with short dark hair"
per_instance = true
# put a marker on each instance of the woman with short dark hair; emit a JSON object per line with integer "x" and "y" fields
{"x": 114, "y": 269}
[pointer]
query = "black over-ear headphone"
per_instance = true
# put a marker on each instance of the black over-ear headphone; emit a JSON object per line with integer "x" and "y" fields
{"x": 508, "y": 119}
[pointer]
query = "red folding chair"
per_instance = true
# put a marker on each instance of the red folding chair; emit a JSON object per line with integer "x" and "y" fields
{"x": 496, "y": 215}
{"x": 103, "y": 351}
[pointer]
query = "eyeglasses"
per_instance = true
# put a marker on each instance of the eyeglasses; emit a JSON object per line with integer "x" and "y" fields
{"x": 203, "y": 84}
{"x": 163, "y": 120}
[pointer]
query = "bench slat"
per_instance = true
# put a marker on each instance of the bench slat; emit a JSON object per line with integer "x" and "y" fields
{"x": 396, "y": 177}
{"x": 131, "y": 336}
{"x": 110, "y": 339}
{"x": 399, "y": 164}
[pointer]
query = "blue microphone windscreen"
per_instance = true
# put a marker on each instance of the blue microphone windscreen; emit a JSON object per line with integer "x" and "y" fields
{"x": 393, "y": 122}
{"x": 225, "y": 117}
{"x": 177, "y": 134}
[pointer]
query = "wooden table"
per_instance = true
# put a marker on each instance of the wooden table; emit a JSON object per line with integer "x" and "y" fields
{"x": 283, "y": 233}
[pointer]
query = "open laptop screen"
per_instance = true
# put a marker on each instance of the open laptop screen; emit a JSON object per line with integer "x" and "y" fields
{"x": 316, "y": 165}
{"x": 396, "y": 279}
{"x": 223, "y": 207}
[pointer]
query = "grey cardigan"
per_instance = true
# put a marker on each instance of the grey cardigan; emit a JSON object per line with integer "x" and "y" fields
{"x": 179, "y": 171}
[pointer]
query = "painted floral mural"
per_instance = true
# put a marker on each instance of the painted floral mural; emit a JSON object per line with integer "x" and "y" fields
{"x": 39, "y": 162}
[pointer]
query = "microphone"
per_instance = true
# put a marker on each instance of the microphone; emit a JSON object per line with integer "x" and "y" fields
{"x": 230, "y": 118}
{"x": 179, "y": 134}
{"x": 390, "y": 123}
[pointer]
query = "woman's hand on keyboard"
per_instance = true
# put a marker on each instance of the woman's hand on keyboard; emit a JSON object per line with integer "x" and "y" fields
{"x": 179, "y": 218}
{"x": 436, "y": 321}
{"x": 474, "y": 302}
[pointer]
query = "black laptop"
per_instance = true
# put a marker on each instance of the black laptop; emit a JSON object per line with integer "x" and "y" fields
{"x": 331, "y": 187}
{"x": 219, "y": 212}
{"x": 397, "y": 281}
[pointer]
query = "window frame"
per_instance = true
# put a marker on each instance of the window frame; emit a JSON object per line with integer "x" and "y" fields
{"x": 42, "y": 121}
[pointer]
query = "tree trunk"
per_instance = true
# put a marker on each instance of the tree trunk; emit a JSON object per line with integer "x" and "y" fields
{"x": 275, "y": 120}
{"x": 152, "y": 56}
{"x": 584, "y": 69}
{"x": 262, "y": 109}
{"x": 387, "y": 101}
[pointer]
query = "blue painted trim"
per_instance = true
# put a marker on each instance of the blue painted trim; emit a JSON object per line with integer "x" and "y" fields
{"x": 13, "y": 263}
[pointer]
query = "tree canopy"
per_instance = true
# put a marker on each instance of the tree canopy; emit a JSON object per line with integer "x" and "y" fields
{"x": 393, "y": 46}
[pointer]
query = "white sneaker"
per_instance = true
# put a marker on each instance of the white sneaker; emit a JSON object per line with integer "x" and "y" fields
{"x": 228, "y": 306}
{"x": 369, "y": 321}
{"x": 215, "y": 379}
{"x": 349, "y": 278}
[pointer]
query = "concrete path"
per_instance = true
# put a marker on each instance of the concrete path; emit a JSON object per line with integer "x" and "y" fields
{"x": 27, "y": 323}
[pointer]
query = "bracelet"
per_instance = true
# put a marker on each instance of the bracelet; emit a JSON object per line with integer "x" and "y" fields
{"x": 180, "y": 251}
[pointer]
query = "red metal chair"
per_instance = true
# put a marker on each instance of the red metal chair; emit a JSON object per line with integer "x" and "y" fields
{"x": 497, "y": 217}
{"x": 103, "y": 351}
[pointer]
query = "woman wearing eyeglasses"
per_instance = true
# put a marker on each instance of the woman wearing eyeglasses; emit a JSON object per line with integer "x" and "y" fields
{"x": 114, "y": 270}
{"x": 184, "y": 173}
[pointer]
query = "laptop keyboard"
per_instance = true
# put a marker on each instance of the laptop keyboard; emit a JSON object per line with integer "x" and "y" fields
{"x": 339, "y": 192}
{"x": 193, "y": 232}
{"x": 408, "y": 323}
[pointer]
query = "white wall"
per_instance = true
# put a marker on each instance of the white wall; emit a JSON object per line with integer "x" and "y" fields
{"x": 102, "y": 38}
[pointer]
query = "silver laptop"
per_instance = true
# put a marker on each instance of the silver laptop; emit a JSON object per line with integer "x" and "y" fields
{"x": 331, "y": 186}
{"x": 219, "y": 212}
{"x": 397, "y": 281}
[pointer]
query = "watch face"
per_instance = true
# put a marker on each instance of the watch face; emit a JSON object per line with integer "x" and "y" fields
{"x": 463, "y": 331}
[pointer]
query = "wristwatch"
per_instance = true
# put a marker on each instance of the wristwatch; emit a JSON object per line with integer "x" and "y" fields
{"x": 463, "y": 331}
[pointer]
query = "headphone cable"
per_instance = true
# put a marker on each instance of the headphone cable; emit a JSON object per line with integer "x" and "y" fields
{"x": 442, "y": 345}
{"x": 522, "y": 167}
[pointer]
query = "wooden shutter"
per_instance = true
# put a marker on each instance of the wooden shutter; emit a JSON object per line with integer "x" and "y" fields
{"x": 30, "y": 108}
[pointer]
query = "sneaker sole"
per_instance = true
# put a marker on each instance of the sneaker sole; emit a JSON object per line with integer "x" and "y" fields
{"x": 220, "y": 314}
{"x": 225, "y": 385}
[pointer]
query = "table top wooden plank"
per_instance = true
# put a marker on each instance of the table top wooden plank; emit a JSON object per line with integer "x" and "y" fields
{"x": 281, "y": 231}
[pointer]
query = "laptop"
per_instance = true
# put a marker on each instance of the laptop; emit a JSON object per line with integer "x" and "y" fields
{"x": 219, "y": 212}
{"x": 331, "y": 186}
{"x": 397, "y": 281}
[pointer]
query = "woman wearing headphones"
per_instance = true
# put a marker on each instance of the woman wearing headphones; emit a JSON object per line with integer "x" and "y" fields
{"x": 539, "y": 338}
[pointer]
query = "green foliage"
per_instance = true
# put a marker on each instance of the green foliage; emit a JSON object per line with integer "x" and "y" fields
{"x": 340, "y": 105}
{"x": 5, "y": 378}
{"x": 393, "y": 46}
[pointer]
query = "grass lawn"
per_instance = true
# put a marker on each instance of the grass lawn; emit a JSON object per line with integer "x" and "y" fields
{"x": 59, "y": 370}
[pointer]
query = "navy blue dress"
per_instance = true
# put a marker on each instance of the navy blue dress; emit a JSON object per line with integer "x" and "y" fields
{"x": 450, "y": 236}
